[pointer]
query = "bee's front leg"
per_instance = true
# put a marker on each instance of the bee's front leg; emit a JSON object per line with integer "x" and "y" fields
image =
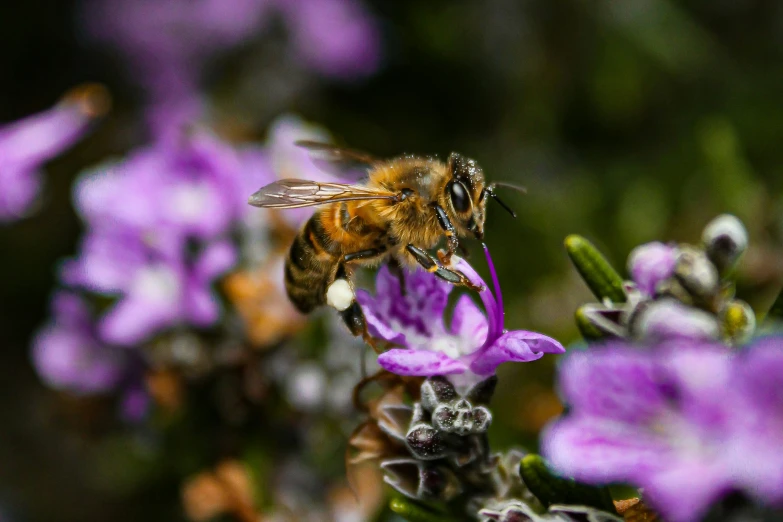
{"x": 430, "y": 264}
{"x": 452, "y": 241}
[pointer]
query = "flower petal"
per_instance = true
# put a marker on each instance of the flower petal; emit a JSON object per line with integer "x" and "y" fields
{"x": 514, "y": 346}
{"x": 602, "y": 451}
{"x": 685, "y": 492}
{"x": 613, "y": 382}
{"x": 413, "y": 319}
{"x": 420, "y": 363}
{"x": 468, "y": 321}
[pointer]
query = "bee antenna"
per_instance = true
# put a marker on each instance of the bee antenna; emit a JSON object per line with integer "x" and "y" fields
{"x": 518, "y": 188}
{"x": 500, "y": 201}
{"x": 491, "y": 192}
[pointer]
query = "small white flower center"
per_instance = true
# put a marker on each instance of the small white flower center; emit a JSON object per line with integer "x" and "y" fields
{"x": 189, "y": 200}
{"x": 156, "y": 283}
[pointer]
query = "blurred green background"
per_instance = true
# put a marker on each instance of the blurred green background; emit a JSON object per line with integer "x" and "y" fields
{"x": 627, "y": 120}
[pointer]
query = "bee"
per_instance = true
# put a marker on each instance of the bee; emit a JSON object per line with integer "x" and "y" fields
{"x": 407, "y": 205}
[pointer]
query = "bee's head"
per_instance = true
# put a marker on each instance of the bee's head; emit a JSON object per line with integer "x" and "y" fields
{"x": 466, "y": 197}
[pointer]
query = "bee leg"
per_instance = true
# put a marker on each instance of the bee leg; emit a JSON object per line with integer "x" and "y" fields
{"x": 432, "y": 265}
{"x": 396, "y": 269}
{"x": 451, "y": 235}
{"x": 364, "y": 254}
{"x": 350, "y": 311}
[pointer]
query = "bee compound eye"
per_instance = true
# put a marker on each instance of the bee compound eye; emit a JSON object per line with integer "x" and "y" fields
{"x": 459, "y": 197}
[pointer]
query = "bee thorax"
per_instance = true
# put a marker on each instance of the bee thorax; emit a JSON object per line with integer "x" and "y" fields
{"x": 339, "y": 295}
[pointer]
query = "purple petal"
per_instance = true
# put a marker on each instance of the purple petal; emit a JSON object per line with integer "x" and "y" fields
{"x": 468, "y": 322}
{"x": 420, "y": 363}
{"x": 613, "y": 382}
{"x": 38, "y": 138}
{"x": 202, "y": 305}
{"x": 684, "y": 492}
{"x": 413, "y": 319}
{"x": 602, "y": 451}
{"x": 514, "y": 346}
{"x": 20, "y": 188}
{"x": 216, "y": 259}
{"x": 494, "y": 314}
{"x": 132, "y": 321}
{"x": 335, "y": 37}
{"x": 67, "y": 358}
{"x": 651, "y": 263}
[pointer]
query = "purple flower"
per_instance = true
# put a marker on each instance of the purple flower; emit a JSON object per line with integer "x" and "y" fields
{"x": 650, "y": 264}
{"x": 158, "y": 288}
{"x": 159, "y": 224}
{"x": 191, "y": 186}
{"x": 69, "y": 356}
{"x": 27, "y": 144}
{"x": 473, "y": 342}
{"x": 337, "y": 38}
{"x": 687, "y": 422}
{"x": 168, "y": 42}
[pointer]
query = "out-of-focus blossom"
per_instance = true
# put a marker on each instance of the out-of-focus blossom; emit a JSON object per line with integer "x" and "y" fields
{"x": 687, "y": 422}
{"x": 69, "y": 356}
{"x": 27, "y": 144}
{"x": 337, "y": 38}
{"x": 192, "y": 186}
{"x": 168, "y": 42}
{"x": 474, "y": 343}
{"x": 651, "y": 263}
{"x": 157, "y": 290}
{"x": 159, "y": 225}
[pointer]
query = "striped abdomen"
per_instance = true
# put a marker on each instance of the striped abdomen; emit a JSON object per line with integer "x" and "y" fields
{"x": 312, "y": 262}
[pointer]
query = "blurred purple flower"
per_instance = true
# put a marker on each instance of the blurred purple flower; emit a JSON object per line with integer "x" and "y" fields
{"x": 27, "y": 144}
{"x": 159, "y": 224}
{"x": 68, "y": 354}
{"x": 687, "y": 422}
{"x": 337, "y": 38}
{"x": 168, "y": 42}
{"x": 474, "y": 343}
{"x": 191, "y": 186}
{"x": 650, "y": 264}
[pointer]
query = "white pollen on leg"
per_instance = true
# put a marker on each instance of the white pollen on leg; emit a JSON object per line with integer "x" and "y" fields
{"x": 339, "y": 295}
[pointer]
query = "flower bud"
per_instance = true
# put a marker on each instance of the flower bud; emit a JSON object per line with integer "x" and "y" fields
{"x": 738, "y": 321}
{"x": 426, "y": 443}
{"x": 696, "y": 273}
{"x": 668, "y": 318}
{"x": 725, "y": 240}
{"x": 436, "y": 390}
{"x": 651, "y": 263}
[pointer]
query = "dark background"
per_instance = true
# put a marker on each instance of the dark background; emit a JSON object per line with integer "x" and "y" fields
{"x": 628, "y": 121}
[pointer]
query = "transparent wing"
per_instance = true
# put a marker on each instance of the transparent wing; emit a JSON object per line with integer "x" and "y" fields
{"x": 296, "y": 193}
{"x": 334, "y": 154}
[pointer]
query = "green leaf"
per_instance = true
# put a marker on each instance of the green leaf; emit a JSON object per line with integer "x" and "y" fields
{"x": 415, "y": 512}
{"x": 596, "y": 271}
{"x": 552, "y": 489}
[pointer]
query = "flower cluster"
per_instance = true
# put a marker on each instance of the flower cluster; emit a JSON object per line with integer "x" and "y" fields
{"x": 687, "y": 421}
{"x": 163, "y": 226}
{"x": 681, "y": 291}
